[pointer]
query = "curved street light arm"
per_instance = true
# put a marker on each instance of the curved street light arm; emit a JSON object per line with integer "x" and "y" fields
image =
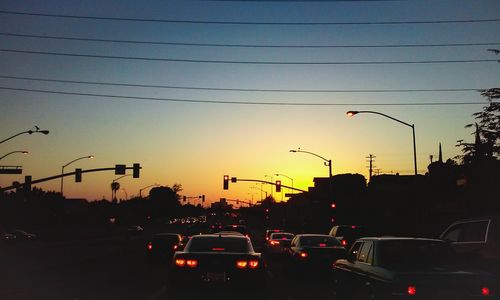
{"x": 23, "y": 152}
{"x": 382, "y": 114}
{"x": 83, "y": 157}
{"x": 327, "y": 160}
{"x": 27, "y": 131}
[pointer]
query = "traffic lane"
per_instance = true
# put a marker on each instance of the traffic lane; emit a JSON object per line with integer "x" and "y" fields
{"x": 97, "y": 269}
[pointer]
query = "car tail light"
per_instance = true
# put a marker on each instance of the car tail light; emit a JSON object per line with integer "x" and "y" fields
{"x": 253, "y": 264}
{"x": 353, "y": 227}
{"x": 175, "y": 247}
{"x": 180, "y": 262}
{"x": 274, "y": 243}
{"x": 150, "y": 246}
{"x": 485, "y": 291}
{"x": 303, "y": 254}
{"x": 192, "y": 263}
{"x": 411, "y": 290}
{"x": 241, "y": 264}
{"x": 344, "y": 243}
{"x": 218, "y": 249}
{"x": 322, "y": 245}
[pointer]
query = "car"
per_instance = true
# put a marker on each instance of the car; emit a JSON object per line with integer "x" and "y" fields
{"x": 134, "y": 230}
{"x": 218, "y": 260}
{"x": 347, "y": 234}
{"x": 476, "y": 240}
{"x": 279, "y": 242}
{"x": 23, "y": 235}
{"x": 314, "y": 253}
{"x": 399, "y": 267}
{"x": 236, "y": 227}
{"x": 7, "y": 238}
{"x": 230, "y": 233}
{"x": 270, "y": 231}
{"x": 162, "y": 246}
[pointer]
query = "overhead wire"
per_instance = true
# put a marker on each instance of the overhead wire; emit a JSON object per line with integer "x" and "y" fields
{"x": 243, "y": 22}
{"x": 248, "y": 62}
{"x": 238, "y": 89}
{"x": 435, "y": 103}
{"x": 69, "y": 38}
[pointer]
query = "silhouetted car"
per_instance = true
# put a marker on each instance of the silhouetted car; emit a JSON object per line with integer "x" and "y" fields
{"x": 134, "y": 230}
{"x": 390, "y": 267}
{"x": 476, "y": 240}
{"x": 314, "y": 252}
{"x": 23, "y": 235}
{"x": 236, "y": 227}
{"x": 347, "y": 234}
{"x": 270, "y": 231}
{"x": 163, "y": 245}
{"x": 279, "y": 242}
{"x": 7, "y": 238}
{"x": 214, "y": 259}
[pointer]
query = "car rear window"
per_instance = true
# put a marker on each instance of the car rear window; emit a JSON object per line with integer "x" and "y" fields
{"x": 414, "y": 252}
{"x": 279, "y": 236}
{"x": 218, "y": 244}
{"x": 319, "y": 241}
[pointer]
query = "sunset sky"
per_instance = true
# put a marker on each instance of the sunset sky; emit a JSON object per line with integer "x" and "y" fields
{"x": 237, "y": 106}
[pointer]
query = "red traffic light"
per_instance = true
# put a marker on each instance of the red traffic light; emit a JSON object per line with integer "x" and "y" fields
{"x": 226, "y": 182}
{"x": 278, "y": 186}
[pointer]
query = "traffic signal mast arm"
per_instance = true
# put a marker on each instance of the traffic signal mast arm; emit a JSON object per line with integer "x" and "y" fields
{"x": 272, "y": 183}
{"x": 62, "y": 175}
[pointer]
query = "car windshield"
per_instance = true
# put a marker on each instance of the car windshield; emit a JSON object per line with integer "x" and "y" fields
{"x": 319, "y": 241}
{"x": 218, "y": 244}
{"x": 415, "y": 252}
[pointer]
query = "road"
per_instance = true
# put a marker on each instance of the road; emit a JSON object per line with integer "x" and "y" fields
{"x": 116, "y": 267}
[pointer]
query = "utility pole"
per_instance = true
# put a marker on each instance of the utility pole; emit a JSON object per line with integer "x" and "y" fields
{"x": 370, "y": 158}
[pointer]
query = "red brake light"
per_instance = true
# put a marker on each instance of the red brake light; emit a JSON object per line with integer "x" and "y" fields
{"x": 218, "y": 249}
{"x": 284, "y": 238}
{"x": 241, "y": 264}
{"x": 192, "y": 263}
{"x": 344, "y": 242}
{"x": 485, "y": 291}
{"x": 235, "y": 226}
{"x": 353, "y": 227}
{"x": 322, "y": 245}
{"x": 253, "y": 264}
{"x": 303, "y": 254}
{"x": 175, "y": 247}
{"x": 150, "y": 246}
{"x": 180, "y": 262}
{"x": 412, "y": 290}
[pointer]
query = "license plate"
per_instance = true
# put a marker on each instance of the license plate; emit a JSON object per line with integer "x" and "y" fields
{"x": 216, "y": 277}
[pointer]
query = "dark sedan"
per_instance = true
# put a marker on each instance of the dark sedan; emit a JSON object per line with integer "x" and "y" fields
{"x": 314, "y": 252}
{"x": 390, "y": 267}
{"x": 218, "y": 260}
{"x": 163, "y": 245}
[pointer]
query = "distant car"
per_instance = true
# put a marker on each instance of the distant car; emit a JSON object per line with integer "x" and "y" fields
{"x": 236, "y": 227}
{"x": 279, "y": 242}
{"x": 268, "y": 233}
{"x": 476, "y": 240}
{"x": 220, "y": 260}
{"x": 7, "y": 238}
{"x": 23, "y": 235}
{"x": 162, "y": 246}
{"x": 314, "y": 252}
{"x": 135, "y": 230}
{"x": 347, "y": 234}
{"x": 390, "y": 267}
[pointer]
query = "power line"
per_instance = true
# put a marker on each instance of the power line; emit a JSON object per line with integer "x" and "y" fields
{"x": 240, "y": 102}
{"x": 67, "y": 38}
{"x": 248, "y": 62}
{"x": 242, "y": 22}
{"x": 236, "y": 89}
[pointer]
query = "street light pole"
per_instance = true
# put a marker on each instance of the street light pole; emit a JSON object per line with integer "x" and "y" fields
{"x": 140, "y": 190}
{"x": 354, "y": 112}
{"x": 328, "y": 162}
{"x": 23, "y": 152}
{"x": 62, "y": 169}
{"x": 37, "y": 130}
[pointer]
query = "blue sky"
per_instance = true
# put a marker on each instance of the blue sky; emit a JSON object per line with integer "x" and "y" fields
{"x": 196, "y": 143}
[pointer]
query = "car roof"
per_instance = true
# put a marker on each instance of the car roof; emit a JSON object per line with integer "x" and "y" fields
{"x": 496, "y": 217}
{"x": 396, "y": 238}
{"x": 223, "y": 236}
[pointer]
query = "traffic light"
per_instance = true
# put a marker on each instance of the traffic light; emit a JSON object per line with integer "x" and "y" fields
{"x": 136, "y": 170}
{"x": 226, "y": 182}
{"x": 202, "y": 198}
{"x": 334, "y": 205}
{"x": 78, "y": 175}
{"x": 27, "y": 183}
{"x": 184, "y": 199}
{"x": 120, "y": 169}
{"x": 278, "y": 186}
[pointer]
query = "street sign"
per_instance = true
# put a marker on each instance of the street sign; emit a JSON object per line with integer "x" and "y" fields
{"x": 11, "y": 169}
